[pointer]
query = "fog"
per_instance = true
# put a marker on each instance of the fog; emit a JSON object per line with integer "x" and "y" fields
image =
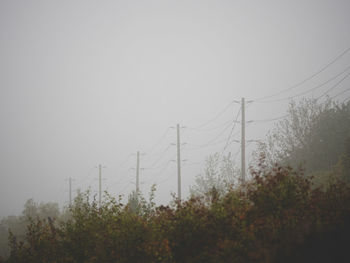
{"x": 84, "y": 83}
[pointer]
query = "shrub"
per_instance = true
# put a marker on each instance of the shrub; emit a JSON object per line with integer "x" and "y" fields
{"x": 273, "y": 218}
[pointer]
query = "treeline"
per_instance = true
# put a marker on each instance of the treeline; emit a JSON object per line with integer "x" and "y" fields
{"x": 18, "y": 224}
{"x": 282, "y": 214}
{"x": 314, "y": 135}
{"x": 277, "y": 217}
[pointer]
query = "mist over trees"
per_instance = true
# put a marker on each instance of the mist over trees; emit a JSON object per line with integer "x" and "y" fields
{"x": 294, "y": 208}
{"x": 277, "y": 217}
{"x": 314, "y": 136}
{"x": 220, "y": 174}
{"x": 17, "y": 225}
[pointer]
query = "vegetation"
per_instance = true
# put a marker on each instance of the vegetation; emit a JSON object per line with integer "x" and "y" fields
{"x": 18, "y": 224}
{"x": 220, "y": 174}
{"x": 282, "y": 214}
{"x": 273, "y": 218}
{"x": 314, "y": 135}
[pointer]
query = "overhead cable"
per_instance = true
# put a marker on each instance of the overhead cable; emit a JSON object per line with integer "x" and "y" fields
{"x": 214, "y": 128}
{"x": 159, "y": 140}
{"x": 334, "y": 86}
{"x": 214, "y": 140}
{"x": 307, "y": 91}
{"x": 233, "y": 127}
{"x": 161, "y": 156}
{"x": 217, "y": 116}
{"x": 269, "y": 120}
{"x": 308, "y": 78}
{"x": 158, "y": 173}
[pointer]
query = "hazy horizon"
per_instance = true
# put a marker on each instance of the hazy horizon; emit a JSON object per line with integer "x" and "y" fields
{"x": 84, "y": 83}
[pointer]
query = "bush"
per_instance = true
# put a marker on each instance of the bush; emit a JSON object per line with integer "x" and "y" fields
{"x": 273, "y": 218}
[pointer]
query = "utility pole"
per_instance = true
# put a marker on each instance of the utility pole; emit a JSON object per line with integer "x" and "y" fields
{"x": 70, "y": 191}
{"x": 99, "y": 184}
{"x": 178, "y": 163}
{"x": 137, "y": 173}
{"x": 243, "y": 141}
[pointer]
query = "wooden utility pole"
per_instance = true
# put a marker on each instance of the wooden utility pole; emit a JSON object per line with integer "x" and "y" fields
{"x": 137, "y": 173}
{"x": 243, "y": 141}
{"x": 99, "y": 185}
{"x": 178, "y": 163}
{"x": 70, "y": 191}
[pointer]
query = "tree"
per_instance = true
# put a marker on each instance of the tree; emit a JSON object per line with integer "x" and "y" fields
{"x": 18, "y": 224}
{"x": 275, "y": 217}
{"x": 133, "y": 202}
{"x": 329, "y": 138}
{"x": 137, "y": 204}
{"x": 314, "y": 135}
{"x": 220, "y": 173}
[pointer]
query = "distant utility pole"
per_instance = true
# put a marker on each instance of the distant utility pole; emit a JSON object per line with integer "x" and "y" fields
{"x": 243, "y": 141}
{"x": 137, "y": 173}
{"x": 100, "y": 184}
{"x": 178, "y": 163}
{"x": 70, "y": 191}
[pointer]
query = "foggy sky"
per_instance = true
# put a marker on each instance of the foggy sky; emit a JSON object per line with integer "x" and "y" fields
{"x": 84, "y": 83}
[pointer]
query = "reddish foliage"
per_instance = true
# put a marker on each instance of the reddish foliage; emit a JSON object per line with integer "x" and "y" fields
{"x": 273, "y": 218}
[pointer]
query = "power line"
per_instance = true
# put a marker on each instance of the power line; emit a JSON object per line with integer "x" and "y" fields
{"x": 346, "y": 99}
{"x": 159, "y": 140}
{"x": 161, "y": 156}
{"x": 233, "y": 127}
{"x": 214, "y": 128}
{"x": 120, "y": 181}
{"x": 307, "y": 91}
{"x": 157, "y": 167}
{"x": 340, "y": 93}
{"x": 160, "y": 172}
{"x": 308, "y": 78}
{"x": 213, "y": 119}
{"x": 269, "y": 120}
{"x": 198, "y": 147}
{"x": 83, "y": 180}
{"x": 166, "y": 179}
{"x": 217, "y": 143}
{"x": 334, "y": 86}
{"x": 211, "y": 142}
{"x": 126, "y": 160}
